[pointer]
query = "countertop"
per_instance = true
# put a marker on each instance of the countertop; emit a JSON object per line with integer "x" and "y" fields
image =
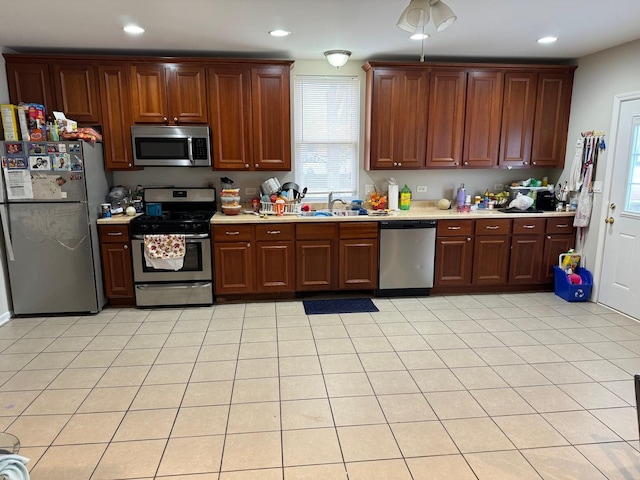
{"x": 417, "y": 212}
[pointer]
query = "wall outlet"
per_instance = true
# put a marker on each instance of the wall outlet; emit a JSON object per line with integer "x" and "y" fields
{"x": 368, "y": 189}
{"x": 421, "y": 189}
{"x": 498, "y": 187}
{"x": 249, "y": 191}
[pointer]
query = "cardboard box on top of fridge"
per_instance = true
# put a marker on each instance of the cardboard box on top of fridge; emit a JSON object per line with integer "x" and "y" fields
{"x": 65, "y": 124}
{"x": 10, "y": 121}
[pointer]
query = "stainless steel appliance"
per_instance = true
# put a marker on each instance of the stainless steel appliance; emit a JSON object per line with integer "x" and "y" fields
{"x": 171, "y": 146}
{"x": 51, "y": 194}
{"x": 407, "y": 253}
{"x": 184, "y": 211}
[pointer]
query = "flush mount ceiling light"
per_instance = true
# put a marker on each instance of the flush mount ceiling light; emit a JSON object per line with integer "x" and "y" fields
{"x": 419, "y": 12}
{"x": 133, "y": 29}
{"x": 549, "y": 39}
{"x": 279, "y": 33}
{"x": 337, "y": 58}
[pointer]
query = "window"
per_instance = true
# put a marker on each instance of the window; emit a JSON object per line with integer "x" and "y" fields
{"x": 327, "y": 127}
{"x": 632, "y": 203}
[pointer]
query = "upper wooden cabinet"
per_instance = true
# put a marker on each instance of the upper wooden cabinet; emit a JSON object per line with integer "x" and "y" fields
{"x": 29, "y": 82}
{"x": 169, "y": 93}
{"x": 466, "y": 115}
{"x": 398, "y": 118}
{"x": 250, "y": 117}
{"x": 76, "y": 92}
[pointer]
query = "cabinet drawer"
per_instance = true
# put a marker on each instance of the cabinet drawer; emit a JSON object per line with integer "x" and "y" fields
{"x": 493, "y": 227}
{"x": 315, "y": 231}
{"x": 232, "y": 233}
{"x": 450, "y": 228}
{"x": 359, "y": 230}
{"x": 277, "y": 231}
{"x": 560, "y": 225}
{"x": 528, "y": 226}
{"x": 114, "y": 233}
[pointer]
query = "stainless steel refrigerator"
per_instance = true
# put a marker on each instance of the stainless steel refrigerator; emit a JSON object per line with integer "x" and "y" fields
{"x": 50, "y": 200}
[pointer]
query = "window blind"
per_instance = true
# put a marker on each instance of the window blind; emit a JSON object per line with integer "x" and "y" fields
{"x": 327, "y": 127}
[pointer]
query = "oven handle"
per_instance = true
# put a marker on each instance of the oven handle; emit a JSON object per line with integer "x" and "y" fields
{"x": 165, "y": 286}
{"x": 187, "y": 236}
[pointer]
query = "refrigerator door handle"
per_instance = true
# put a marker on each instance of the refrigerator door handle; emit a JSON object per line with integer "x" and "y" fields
{"x": 5, "y": 230}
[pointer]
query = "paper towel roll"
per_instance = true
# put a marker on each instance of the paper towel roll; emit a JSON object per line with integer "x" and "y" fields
{"x": 392, "y": 197}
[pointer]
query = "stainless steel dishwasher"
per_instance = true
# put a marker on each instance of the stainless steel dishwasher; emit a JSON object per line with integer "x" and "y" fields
{"x": 407, "y": 253}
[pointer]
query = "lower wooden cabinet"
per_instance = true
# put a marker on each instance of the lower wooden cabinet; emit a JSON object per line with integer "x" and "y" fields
{"x": 358, "y": 256}
{"x": 526, "y": 250}
{"x": 316, "y": 256}
{"x": 454, "y": 253}
{"x": 491, "y": 251}
{"x": 117, "y": 270}
{"x": 560, "y": 236}
{"x": 234, "y": 263}
{"x": 275, "y": 255}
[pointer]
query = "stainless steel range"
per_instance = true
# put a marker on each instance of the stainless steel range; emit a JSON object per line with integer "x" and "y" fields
{"x": 175, "y": 211}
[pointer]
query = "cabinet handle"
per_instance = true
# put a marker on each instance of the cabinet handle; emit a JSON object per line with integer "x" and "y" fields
{"x": 468, "y": 239}
{"x": 395, "y": 164}
{"x": 256, "y": 165}
{"x": 232, "y": 233}
{"x": 528, "y": 226}
{"x": 466, "y": 163}
{"x": 165, "y": 119}
{"x": 175, "y": 119}
{"x": 454, "y": 228}
{"x": 126, "y": 247}
{"x": 246, "y": 165}
{"x": 533, "y": 163}
{"x": 399, "y": 164}
{"x": 115, "y": 234}
{"x": 562, "y": 225}
{"x": 248, "y": 245}
{"x": 492, "y": 227}
{"x": 129, "y": 164}
{"x": 456, "y": 163}
{"x": 524, "y": 163}
{"x": 549, "y": 237}
{"x": 273, "y": 232}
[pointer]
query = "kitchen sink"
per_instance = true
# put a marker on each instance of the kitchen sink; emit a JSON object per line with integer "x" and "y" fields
{"x": 327, "y": 213}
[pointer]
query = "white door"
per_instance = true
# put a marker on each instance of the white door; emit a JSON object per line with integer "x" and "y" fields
{"x": 620, "y": 281}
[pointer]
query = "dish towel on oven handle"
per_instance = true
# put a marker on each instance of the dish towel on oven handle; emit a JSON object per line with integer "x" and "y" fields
{"x": 164, "y": 252}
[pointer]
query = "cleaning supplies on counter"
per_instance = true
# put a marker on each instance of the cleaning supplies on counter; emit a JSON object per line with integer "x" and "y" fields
{"x": 405, "y": 198}
{"x": 462, "y": 195}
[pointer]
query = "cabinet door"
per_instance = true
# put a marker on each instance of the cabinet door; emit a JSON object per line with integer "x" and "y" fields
{"x": 554, "y": 245}
{"x": 482, "y": 119}
{"x": 116, "y": 270}
{"x": 359, "y": 264}
{"x": 76, "y": 88}
{"x": 149, "y": 93}
{"x": 454, "y": 261}
{"x": 275, "y": 267}
{"x": 230, "y": 110}
{"x": 313, "y": 265}
{"x": 518, "y": 110}
{"x": 188, "y": 94}
{"x": 551, "y": 120}
{"x": 399, "y": 108}
{"x": 524, "y": 263}
{"x": 116, "y": 116}
{"x": 446, "y": 118}
{"x": 271, "y": 114}
{"x": 234, "y": 266}
{"x": 490, "y": 259}
{"x": 30, "y": 83}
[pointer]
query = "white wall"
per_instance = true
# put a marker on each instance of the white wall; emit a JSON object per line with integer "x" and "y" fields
{"x": 598, "y": 79}
{"x": 5, "y": 314}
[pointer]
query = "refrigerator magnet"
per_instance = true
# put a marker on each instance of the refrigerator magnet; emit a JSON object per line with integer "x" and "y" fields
{"x": 61, "y": 161}
{"x": 37, "y": 148}
{"x": 39, "y": 162}
{"x": 13, "y": 148}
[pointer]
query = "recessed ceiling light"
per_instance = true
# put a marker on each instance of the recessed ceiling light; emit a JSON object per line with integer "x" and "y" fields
{"x": 133, "y": 29}
{"x": 419, "y": 36}
{"x": 279, "y": 33}
{"x": 547, "y": 39}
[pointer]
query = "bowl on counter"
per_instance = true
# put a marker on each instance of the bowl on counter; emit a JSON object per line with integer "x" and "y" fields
{"x": 231, "y": 209}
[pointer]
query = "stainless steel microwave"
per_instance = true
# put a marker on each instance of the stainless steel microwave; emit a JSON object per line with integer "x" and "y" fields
{"x": 171, "y": 146}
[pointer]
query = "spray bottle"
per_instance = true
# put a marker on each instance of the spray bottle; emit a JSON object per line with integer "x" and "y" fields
{"x": 461, "y": 196}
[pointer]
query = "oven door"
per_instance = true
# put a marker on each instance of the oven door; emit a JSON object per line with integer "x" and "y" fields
{"x": 196, "y": 267}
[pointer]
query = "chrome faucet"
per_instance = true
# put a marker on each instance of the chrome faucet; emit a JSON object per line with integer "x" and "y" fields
{"x": 334, "y": 200}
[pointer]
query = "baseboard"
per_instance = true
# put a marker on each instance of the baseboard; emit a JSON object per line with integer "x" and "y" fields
{"x": 5, "y": 317}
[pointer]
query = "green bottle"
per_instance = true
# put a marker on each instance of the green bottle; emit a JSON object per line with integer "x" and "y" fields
{"x": 405, "y": 198}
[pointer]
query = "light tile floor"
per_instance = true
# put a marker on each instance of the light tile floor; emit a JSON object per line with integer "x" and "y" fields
{"x": 517, "y": 386}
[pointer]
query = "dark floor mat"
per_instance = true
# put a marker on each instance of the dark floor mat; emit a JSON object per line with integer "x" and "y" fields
{"x": 340, "y": 305}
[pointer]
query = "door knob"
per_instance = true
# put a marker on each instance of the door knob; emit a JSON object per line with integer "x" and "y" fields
{"x": 609, "y": 220}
